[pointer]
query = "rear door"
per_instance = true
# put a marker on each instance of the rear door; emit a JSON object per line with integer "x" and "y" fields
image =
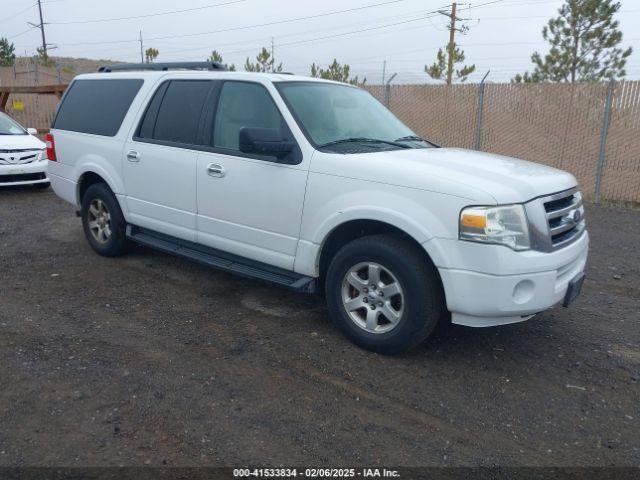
{"x": 160, "y": 161}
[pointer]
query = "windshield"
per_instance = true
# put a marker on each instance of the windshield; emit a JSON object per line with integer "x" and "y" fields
{"x": 8, "y": 126}
{"x": 342, "y": 117}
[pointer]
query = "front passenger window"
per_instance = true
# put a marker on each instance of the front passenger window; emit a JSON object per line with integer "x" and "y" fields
{"x": 243, "y": 104}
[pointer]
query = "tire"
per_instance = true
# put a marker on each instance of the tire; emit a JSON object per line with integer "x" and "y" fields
{"x": 112, "y": 241}
{"x": 415, "y": 311}
{"x": 41, "y": 186}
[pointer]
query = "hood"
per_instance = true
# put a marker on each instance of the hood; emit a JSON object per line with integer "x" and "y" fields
{"x": 478, "y": 176}
{"x": 20, "y": 142}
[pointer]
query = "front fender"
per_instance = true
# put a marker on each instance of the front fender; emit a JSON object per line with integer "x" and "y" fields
{"x": 333, "y": 201}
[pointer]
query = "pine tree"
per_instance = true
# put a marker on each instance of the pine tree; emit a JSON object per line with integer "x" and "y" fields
{"x": 150, "y": 54}
{"x": 438, "y": 70}
{"x": 216, "y": 57}
{"x": 447, "y": 58}
{"x": 43, "y": 58}
{"x": 264, "y": 63}
{"x": 7, "y": 53}
{"x": 584, "y": 42}
{"x": 337, "y": 72}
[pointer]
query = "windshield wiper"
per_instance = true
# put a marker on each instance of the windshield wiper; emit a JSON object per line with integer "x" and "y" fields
{"x": 363, "y": 140}
{"x": 414, "y": 138}
{"x": 410, "y": 137}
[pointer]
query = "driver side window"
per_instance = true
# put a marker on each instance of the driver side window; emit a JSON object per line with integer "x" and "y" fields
{"x": 243, "y": 104}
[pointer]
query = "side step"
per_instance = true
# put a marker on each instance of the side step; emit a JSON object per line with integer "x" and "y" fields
{"x": 221, "y": 260}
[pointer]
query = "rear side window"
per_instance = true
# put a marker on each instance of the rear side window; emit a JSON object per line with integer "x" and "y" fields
{"x": 96, "y": 106}
{"x": 173, "y": 115}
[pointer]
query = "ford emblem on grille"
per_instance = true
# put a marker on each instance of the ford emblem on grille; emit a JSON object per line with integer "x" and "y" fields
{"x": 577, "y": 215}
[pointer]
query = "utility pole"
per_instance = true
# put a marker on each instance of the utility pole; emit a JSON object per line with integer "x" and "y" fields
{"x": 141, "y": 49}
{"x": 41, "y": 26}
{"x": 273, "y": 59}
{"x": 451, "y": 47}
{"x": 384, "y": 71}
{"x": 452, "y": 33}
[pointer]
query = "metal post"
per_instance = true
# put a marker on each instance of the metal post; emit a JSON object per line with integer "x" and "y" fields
{"x": 479, "y": 112}
{"x": 387, "y": 91}
{"x": 603, "y": 139}
{"x": 141, "y": 49}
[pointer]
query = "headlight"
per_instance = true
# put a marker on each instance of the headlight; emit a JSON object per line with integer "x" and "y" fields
{"x": 504, "y": 225}
{"x": 42, "y": 155}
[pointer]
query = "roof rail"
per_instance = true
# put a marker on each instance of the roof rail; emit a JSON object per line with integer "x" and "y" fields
{"x": 122, "y": 67}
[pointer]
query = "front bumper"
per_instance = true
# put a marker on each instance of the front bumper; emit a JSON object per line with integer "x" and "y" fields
{"x": 24, "y": 174}
{"x": 479, "y": 299}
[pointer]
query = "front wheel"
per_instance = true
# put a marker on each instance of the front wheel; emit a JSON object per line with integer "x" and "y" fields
{"x": 384, "y": 294}
{"x": 103, "y": 222}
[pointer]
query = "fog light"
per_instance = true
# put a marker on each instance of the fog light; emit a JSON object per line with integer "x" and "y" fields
{"x": 523, "y": 291}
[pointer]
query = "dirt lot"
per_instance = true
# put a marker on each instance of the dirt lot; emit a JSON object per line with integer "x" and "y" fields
{"x": 152, "y": 360}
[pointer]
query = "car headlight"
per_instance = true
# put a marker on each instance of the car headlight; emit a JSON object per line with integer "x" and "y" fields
{"x": 42, "y": 155}
{"x": 503, "y": 225}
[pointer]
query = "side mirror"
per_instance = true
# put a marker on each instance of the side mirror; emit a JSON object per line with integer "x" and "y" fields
{"x": 32, "y": 131}
{"x": 264, "y": 141}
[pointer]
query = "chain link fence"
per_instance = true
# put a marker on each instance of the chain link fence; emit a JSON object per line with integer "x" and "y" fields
{"x": 591, "y": 129}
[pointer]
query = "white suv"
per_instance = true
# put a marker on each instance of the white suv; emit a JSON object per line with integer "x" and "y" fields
{"x": 316, "y": 186}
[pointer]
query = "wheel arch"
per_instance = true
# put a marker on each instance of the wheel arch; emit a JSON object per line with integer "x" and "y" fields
{"x": 92, "y": 174}
{"x": 87, "y": 179}
{"x": 353, "y": 229}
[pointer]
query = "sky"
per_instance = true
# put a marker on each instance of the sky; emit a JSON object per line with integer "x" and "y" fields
{"x": 502, "y": 34}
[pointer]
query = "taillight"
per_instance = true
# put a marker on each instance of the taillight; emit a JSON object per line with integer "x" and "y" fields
{"x": 51, "y": 147}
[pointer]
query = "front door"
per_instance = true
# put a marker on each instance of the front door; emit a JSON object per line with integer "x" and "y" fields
{"x": 248, "y": 205}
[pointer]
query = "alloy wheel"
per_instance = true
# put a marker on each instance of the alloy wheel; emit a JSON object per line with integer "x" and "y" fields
{"x": 372, "y": 297}
{"x": 99, "y": 221}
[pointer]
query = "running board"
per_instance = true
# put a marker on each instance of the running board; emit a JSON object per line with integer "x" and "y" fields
{"x": 221, "y": 260}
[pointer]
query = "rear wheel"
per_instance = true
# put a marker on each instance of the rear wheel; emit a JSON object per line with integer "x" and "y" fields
{"x": 384, "y": 294}
{"x": 103, "y": 222}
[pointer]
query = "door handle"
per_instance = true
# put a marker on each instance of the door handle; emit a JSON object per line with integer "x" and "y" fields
{"x": 133, "y": 156}
{"x": 215, "y": 170}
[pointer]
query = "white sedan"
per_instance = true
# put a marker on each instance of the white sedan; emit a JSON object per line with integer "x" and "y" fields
{"x": 22, "y": 155}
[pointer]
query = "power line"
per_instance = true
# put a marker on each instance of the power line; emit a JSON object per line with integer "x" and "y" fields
{"x": 244, "y": 27}
{"x": 21, "y": 33}
{"x": 116, "y": 19}
{"x": 297, "y": 42}
{"x": 18, "y": 13}
{"x": 329, "y": 37}
{"x": 267, "y": 39}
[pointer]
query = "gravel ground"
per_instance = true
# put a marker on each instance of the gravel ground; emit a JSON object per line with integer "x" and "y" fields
{"x": 151, "y": 360}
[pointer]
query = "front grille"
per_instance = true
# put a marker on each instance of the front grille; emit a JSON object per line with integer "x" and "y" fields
{"x": 18, "y": 157}
{"x": 565, "y": 216}
{"x": 23, "y": 177}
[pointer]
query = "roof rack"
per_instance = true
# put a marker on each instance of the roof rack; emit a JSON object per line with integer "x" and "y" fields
{"x": 122, "y": 67}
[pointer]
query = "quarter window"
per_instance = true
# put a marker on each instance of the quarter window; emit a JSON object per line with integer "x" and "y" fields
{"x": 96, "y": 106}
